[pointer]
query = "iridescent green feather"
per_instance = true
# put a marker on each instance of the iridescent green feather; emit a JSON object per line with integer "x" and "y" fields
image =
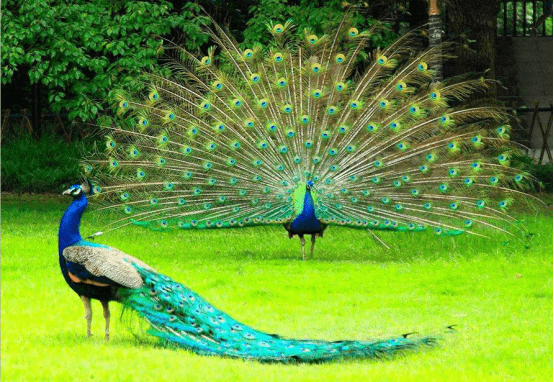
{"x": 298, "y": 198}
{"x": 182, "y": 317}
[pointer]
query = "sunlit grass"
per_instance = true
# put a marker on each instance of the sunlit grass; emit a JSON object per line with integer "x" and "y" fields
{"x": 497, "y": 292}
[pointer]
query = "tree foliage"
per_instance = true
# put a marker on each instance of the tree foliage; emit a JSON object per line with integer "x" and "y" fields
{"x": 317, "y": 16}
{"x": 79, "y": 50}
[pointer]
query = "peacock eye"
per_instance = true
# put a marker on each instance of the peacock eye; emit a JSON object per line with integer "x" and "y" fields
{"x": 352, "y": 32}
{"x": 371, "y": 127}
{"x": 381, "y": 60}
{"x": 434, "y": 95}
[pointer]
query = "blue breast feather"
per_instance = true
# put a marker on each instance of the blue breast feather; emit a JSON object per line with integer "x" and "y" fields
{"x": 306, "y": 222}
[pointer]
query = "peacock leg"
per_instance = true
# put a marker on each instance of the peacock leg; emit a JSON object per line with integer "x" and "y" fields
{"x": 303, "y": 242}
{"x": 88, "y": 313}
{"x": 312, "y": 247}
{"x": 106, "y": 307}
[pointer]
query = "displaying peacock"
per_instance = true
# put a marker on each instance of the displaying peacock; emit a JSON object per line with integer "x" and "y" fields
{"x": 179, "y": 315}
{"x": 298, "y": 134}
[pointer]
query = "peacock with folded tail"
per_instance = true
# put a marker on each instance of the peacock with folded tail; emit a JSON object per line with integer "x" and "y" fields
{"x": 308, "y": 133}
{"x": 179, "y": 315}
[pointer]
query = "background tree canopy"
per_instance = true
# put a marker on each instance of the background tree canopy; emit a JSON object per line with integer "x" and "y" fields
{"x": 80, "y": 50}
{"x": 75, "y": 52}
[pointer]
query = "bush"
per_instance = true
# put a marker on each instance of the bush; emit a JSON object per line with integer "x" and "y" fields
{"x": 45, "y": 165}
{"x": 542, "y": 172}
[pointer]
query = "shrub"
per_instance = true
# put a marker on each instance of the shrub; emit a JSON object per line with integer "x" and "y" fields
{"x": 44, "y": 165}
{"x": 542, "y": 172}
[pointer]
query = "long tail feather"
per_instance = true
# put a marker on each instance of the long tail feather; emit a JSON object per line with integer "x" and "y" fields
{"x": 182, "y": 317}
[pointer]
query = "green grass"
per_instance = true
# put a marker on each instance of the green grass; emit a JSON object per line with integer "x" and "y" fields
{"x": 498, "y": 293}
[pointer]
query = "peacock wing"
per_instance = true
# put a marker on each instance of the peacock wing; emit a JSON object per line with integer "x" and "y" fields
{"x": 107, "y": 262}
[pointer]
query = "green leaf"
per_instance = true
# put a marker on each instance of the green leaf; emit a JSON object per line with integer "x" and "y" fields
{"x": 90, "y": 47}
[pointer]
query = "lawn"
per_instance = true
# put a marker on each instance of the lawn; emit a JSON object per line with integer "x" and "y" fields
{"x": 497, "y": 292}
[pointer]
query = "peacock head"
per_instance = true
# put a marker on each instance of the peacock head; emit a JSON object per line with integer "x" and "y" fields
{"x": 309, "y": 185}
{"x": 77, "y": 190}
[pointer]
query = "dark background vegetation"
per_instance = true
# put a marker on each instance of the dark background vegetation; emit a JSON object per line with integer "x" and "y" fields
{"x": 61, "y": 60}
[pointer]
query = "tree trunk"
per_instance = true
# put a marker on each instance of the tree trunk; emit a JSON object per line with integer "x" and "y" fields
{"x": 37, "y": 112}
{"x": 435, "y": 36}
{"x": 473, "y": 20}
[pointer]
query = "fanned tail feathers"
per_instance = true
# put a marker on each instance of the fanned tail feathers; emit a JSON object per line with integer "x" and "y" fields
{"x": 227, "y": 144}
{"x": 180, "y": 316}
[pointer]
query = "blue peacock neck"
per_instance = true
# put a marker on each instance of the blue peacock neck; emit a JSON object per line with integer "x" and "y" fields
{"x": 68, "y": 233}
{"x": 309, "y": 209}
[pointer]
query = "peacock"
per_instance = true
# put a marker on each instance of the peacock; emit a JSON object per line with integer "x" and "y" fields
{"x": 309, "y": 132}
{"x": 177, "y": 314}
